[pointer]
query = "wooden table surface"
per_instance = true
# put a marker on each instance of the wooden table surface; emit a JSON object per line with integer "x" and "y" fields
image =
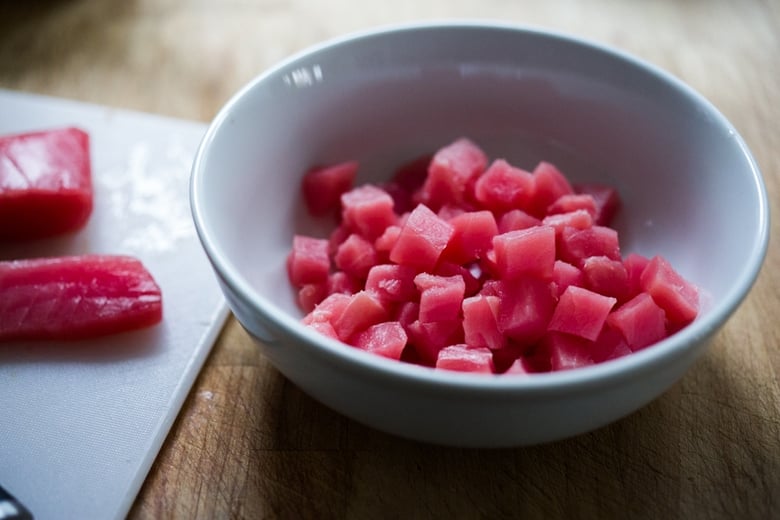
{"x": 248, "y": 444}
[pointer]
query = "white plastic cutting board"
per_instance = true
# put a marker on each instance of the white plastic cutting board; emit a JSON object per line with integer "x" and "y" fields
{"x": 81, "y": 423}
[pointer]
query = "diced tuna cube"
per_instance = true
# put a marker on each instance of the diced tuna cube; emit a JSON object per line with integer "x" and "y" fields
{"x": 311, "y": 294}
{"x": 549, "y": 185}
{"x": 578, "y": 244}
{"x": 640, "y": 321}
{"x": 452, "y": 173}
{"x": 573, "y": 202}
{"x": 422, "y": 239}
{"x": 463, "y": 358}
{"x": 441, "y": 297}
{"x": 635, "y": 265}
{"x": 387, "y": 339}
{"x": 322, "y": 187}
{"x": 355, "y": 256}
{"x": 606, "y": 276}
{"x": 503, "y": 187}
{"x": 525, "y": 308}
{"x": 328, "y": 309}
{"x": 516, "y": 219}
{"x": 525, "y": 252}
{"x": 581, "y": 312}
{"x": 368, "y": 210}
{"x": 480, "y": 326}
{"x": 675, "y": 295}
{"x": 392, "y": 282}
{"x": 567, "y": 351}
{"x": 472, "y": 236}
{"x": 308, "y": 262}
{"x": 564, "y": 275}
{"x": 606, "y": 198}
{"x": 577, "y": 219}
{"x": 362, "y": 310}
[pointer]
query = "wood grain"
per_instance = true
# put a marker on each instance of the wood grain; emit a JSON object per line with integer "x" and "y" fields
{"x": 248, "y": 444}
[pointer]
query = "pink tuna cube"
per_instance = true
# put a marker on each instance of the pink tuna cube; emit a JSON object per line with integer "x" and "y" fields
{"x": 355, "y": 256}
{"x": 503, "y": 187}
{"x": 452, "y": 173}
{"x": 422, "y": 239}
{"x": 525, "y": 308}
{"x": 441, "y": 297}
{"x": 581, "y": 312}
{"x": 640, "y": 321}
{"x": 368, "y": 210}
{"x": 308, "y": 262}
{"x": 463, "y": 358}
{"x": 676, "y": 296}
{"x": 386, "y": 339}
{"x": 525, "y": 252}
{"x": 472, "y": 236}
{"x": 480, "y": 326}
{"x": 323, "y": 186}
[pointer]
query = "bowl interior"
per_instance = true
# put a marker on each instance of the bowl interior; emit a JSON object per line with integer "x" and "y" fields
{"x": 691, "y": 192}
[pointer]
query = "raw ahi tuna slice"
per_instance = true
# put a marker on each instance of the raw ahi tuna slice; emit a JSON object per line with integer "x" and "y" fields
{"x": 76, "y": 297}
{"x": 45, "y": 184}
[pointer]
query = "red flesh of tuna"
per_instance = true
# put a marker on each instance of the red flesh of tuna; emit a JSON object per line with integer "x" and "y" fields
{"x": 76, "y": 297}
{"x": 45, "y": 184}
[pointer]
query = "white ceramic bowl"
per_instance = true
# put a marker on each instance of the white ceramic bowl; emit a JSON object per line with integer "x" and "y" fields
{"x": 691, "y": 189}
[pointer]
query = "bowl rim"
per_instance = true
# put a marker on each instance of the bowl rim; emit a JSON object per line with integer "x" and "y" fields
{"x": 659, "y": 355}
